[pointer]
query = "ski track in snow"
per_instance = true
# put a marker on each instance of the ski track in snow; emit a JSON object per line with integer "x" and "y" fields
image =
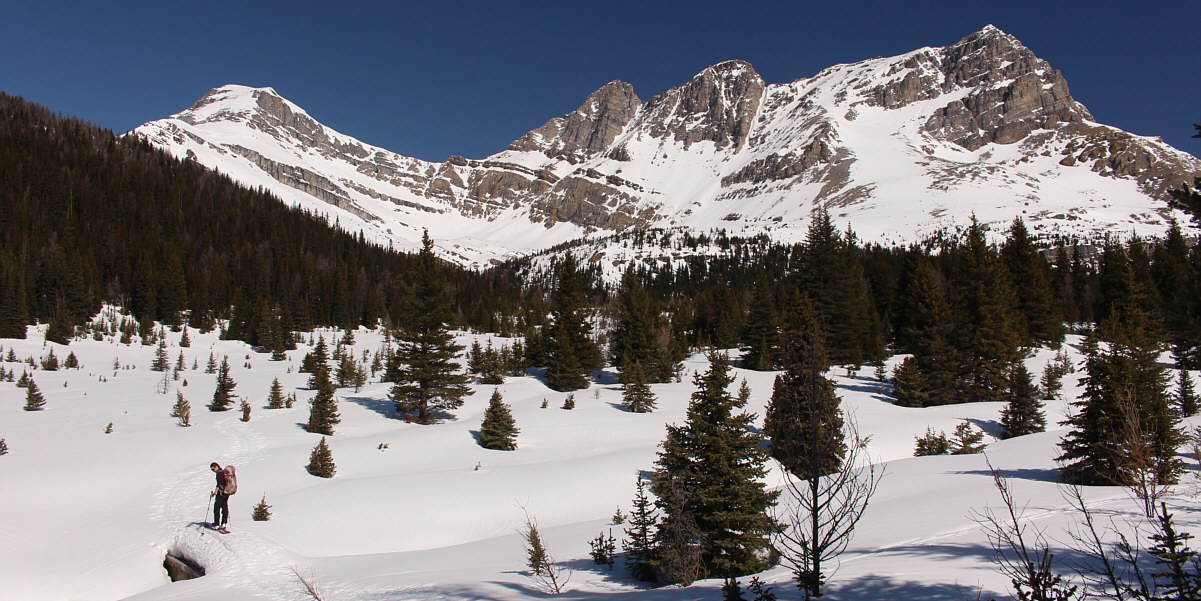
{"x": 243, "y": 560}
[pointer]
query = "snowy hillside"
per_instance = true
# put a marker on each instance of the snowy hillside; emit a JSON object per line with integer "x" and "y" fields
{"x": 423, "y": 512}
{"x": 899, "y": 147}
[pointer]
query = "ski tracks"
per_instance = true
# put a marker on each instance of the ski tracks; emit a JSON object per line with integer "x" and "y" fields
{"x": 244, "y": 561}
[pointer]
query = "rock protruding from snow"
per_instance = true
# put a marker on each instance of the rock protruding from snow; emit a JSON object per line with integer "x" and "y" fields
{"x": 719, "y": 105}
{"x": 587, "y": 131}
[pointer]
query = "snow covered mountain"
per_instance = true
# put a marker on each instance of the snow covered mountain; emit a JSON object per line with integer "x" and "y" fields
{"x": 899, "y": 147}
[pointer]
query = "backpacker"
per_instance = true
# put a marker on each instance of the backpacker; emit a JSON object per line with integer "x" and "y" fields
{"x": 231, "y": 480}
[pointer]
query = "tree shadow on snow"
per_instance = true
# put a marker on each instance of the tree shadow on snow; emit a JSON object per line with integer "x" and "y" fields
{"x": 991, "y": 427}
{"x": 1033, "y": 474}
{"x": 384, "y": 407}
{"x": 873, "y": 388}
{"x": 875, "y": 588}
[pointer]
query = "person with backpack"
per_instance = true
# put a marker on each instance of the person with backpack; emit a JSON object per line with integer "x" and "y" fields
{"x": 227, "y": 484}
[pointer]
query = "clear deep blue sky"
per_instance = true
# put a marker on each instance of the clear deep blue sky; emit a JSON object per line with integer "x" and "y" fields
{"x": 434, "y": 79}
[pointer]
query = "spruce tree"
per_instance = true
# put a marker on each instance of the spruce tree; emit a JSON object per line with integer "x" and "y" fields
{"x": 34, "y": 400}
{"x": 634, "y": 336}
{"x": 428, "y": 377}
{"x": 967, "y": 440}
{"x": 1023, "y": 413}
{"x": 161, "y": 361}
{"x": 761, "y": 343}
{"x": 985, "y": 336}
{"x": 708, "y": 478}
{"x": 223, "y": 395}
{"x": 275, "y": 398}
{"x": 261, "y": 511}
{"x": 636, "y": 395}
{"x": 804, "y": 418}
{"x": 321, "y": 461}
{"x": 323, "y": 409}
{"x": 1186, "y": 395}
{"x": 1125, "y": 388}
{"x": 926, "y": 332}
{"x": 1037, "y": 312}
{"x": 639, "y": 543}
{"x": 571, "y": 353}
{"x": 182, "y": 410}
{"x": 498, "y": 430}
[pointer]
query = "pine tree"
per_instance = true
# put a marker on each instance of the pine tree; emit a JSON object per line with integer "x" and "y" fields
{"x": 1037, "y": 312}
{"x": 911, "y": 389}
{"x": 1124, "y": 387}
{"x": 985, "y": 336}
{"x": 1186, "y": 395}
{"x": 633, "y": 338}
{"x": 261, "y": 511}
{"x": 804, "y": 418}
{"x": 321, "y": 461}
{"x": 931, "y": 444}
{"x": 571, "y": 353}
{"x": 185, "y": 341}
{"x": 323, "y": 409}
{"x": 639, "y": 541}
{"x": 182, "y": 410}
{"x": 34, "y": 400}
{"x": 161, "y": 361}
{"x": 1023, "y": 413}
{"x": 967, "y": 440}
{"x": 245, "y": 410}
{"x": 275, "y": 398}
{"x": 428, "y": 377}
{"x": 3, "y": 447}
{"x": 636, "y": 395}
{"x": 708, "y": 477}
{"x": 498, "y": 430}
{"x": 761, "y": 343}
{"x": 223, "y": 395}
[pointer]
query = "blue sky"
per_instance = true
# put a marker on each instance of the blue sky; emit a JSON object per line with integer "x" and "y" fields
{"x": 434, "y": 79}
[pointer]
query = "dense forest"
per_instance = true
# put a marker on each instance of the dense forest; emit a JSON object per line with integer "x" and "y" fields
{"x": 87, "y": 217}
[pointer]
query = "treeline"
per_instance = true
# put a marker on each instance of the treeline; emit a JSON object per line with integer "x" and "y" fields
{"x": 87, "y": 217}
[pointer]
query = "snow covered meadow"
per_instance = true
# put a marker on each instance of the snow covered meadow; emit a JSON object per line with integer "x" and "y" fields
{"x": 422, "y": 511}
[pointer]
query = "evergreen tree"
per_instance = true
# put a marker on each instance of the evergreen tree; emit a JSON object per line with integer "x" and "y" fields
{"x": 498, "y": 431}
{"x": 634, "y": 336}
{"x": 1037, "y": 312}
{"x": 639, "y": 543}
{"x": 929, "y": 377}
{"x": 571, "y": 353}
{"x": 1125, "y": 387}
{"x": 931, "y": 444}
{"x": 985, "y": 336}
{"x": 1023, "y": 413}
{"x": 428, "y": 378}
{"x": 1176, "y": 283}
{"x": 161, "y": 361}
{"x": 804, "y": 418}
{"x": 275, "y": 398}
{"x": 761, "y": 344}
{"x": 321, "y": 461}
{"x": 34, "y": 400}
{"x": 1186, "y": 395}
{"x": 323, "y": 409}
{"x": 182, "y": 410}
{"x": 967, "y": 440}
{"x": 636, "y": 395}
{"x": 708, "y": 478}
{"x": 261, "y": 511}
{"x": 223, "y": 395}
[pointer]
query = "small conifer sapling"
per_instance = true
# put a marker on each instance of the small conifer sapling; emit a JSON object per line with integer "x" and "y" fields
{"x": 321, "y": 461}
{"x": 261, "y": 511}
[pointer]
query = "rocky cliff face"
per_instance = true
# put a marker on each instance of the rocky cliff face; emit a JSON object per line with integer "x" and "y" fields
{"x": 900, "y": 147}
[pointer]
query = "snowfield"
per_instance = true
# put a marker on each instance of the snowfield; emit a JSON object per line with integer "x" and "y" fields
{"x": 431, "y": 515}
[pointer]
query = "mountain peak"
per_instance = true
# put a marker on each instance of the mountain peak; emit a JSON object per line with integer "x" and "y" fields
{"x": 587, "y": 130}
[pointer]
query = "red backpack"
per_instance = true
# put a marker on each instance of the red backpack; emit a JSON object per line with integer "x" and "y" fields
{"x": 231, "y": 480}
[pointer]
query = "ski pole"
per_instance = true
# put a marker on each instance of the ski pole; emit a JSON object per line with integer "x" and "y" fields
{"x": 208, "y": 507}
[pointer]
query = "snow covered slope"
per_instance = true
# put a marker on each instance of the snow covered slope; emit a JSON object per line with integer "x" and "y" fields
{"x": 432, "y": 515}
{"x": 899, "y": 147}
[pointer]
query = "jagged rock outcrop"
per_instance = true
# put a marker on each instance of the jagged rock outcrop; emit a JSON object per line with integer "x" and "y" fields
{"x": 718, "y": 105}
{"x": 587, "y": 131}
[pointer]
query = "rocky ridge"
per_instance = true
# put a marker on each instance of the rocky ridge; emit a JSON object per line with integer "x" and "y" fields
{"x": 899, "y": 147}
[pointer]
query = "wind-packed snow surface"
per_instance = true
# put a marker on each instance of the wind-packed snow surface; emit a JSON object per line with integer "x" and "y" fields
{"x": 422, "y": 511}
